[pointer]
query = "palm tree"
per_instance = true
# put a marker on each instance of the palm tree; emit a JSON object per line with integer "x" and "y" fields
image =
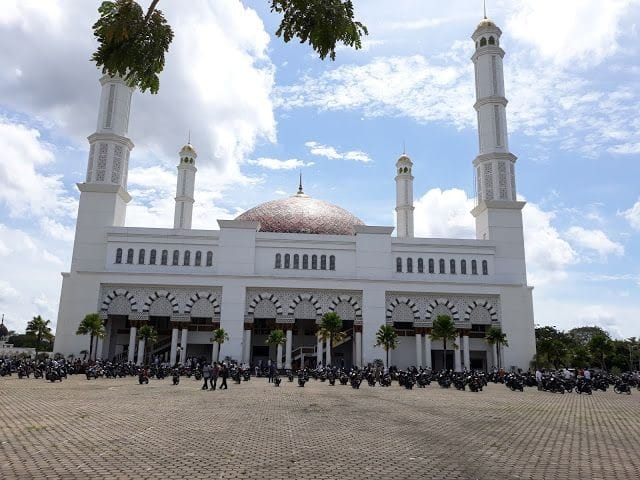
{"x": 219, "y": 336}
{"x": 278, "y": 338}
{"x": 387, "y": 338}
{"x": 600, "y": 346}
{"x": 93, "y": 326}
{"x": 39, "y": 327}
{"x": 444, "y": 329}
{"x": 331, "y": 329}
{"x": 496, "y": 337}
{"x": 149, "y": 334}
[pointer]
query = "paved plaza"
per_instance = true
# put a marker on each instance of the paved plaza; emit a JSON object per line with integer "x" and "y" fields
{"x": 118, "y": 429}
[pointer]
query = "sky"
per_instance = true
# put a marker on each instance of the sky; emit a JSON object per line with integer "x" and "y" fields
{"x": 260, "y": 111}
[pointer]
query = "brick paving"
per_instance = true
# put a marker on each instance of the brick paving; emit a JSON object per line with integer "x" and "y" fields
{"x": 119, "y": 429}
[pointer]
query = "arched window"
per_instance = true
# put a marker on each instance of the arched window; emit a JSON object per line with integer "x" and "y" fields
{"x": 314, "y": 262}
{"x": 165, "y": 256}
{"x": 198, "y": 258}
{"x": 441, "y": 265}
{"x": 287, "y": 260}
{"x": 323, "y": 262}
{"x": 483, "y": 42}
{"x": 278, "y": 260}
{"x": 130, "y": 255}
{"x": 420, "y": 265}
{"x": 492, "y": 41}
{"x": 332, "y": 262}
{"x": 409, "y": 265}
{"x": 296, "y": 261}
{"x": 398, "y": 265}
{"x": 141, "y": 254}
{"x": 119, "y": 255}
{"x": 485, "y": 267}
{"x": 463, "y": 267}
{"x": 474, "y": 267}
{"x": 305, "y": 262}
{"x": 187, "y": 258}
{"x": 431, "y": 266}
{"x": 176, "y": 257}
{"x": 152, "y": 257}
{"x": 209, "y": 259}
{"x": 452, "y": 266}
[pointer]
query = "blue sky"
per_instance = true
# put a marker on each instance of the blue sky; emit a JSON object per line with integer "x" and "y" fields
{"x": 260, "y": 111}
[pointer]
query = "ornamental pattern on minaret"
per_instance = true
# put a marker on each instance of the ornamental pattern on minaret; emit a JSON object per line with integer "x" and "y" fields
{"x": 109, "y": 147}
{"x": 404, "y": 197}
{"x": 185, "y": 187}
{"x": 494, "y": 165}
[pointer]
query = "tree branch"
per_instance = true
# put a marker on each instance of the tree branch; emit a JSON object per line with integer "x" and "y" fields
{"x": 152, "y": 7}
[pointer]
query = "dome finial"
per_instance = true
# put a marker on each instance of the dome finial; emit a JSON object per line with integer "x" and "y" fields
{"x": 300, "y": 191}
{"x": 484, "y": 4}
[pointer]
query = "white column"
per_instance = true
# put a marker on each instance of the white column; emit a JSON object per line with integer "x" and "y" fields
{"x": 246, "y": 358}
{"x": 427, "y": 350}
{"x": 141, "y": 352}
{"x": 174, "y": 346}
{"x": 418, "y": 350}
{"x": 465, "y": 352}
{"x": 279, "y": 356}
{"x": 132, "y": 344}
{"x": 99, "y": 346}
{"x": 358, "y": 361}
{"x": 494, "y": 350}
{"x": 214, "y": 352}
{"x": 289, "y": 346}
{"x": 184, "y": 338}
{"x": 319, "y": 352}
{"x": 328, "y": 354}
{"x": 456, "y": 355}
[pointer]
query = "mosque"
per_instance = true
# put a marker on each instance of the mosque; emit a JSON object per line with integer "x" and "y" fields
{"x": 285, "y": 263}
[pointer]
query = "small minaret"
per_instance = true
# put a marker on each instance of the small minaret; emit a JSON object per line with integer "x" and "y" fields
{"x": 404, "y": 197}
{"x": 185, "y": 187}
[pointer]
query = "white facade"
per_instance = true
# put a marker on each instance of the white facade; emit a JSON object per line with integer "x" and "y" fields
{"x": 187, "y": 282}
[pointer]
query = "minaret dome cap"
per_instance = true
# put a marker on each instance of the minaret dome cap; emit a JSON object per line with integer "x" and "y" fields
{"x": 188, "y": 149}
{"x": 486, "y": 22}
{"x": 404, "y": 159}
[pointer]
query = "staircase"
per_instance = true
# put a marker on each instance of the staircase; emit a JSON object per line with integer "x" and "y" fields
{"x": 348, "y": 335}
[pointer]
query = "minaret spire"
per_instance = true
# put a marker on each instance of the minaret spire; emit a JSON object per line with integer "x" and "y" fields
{"x": 185, "y": 187}
{"x": 484, "y": 5}
{"x": 300, "y": 191}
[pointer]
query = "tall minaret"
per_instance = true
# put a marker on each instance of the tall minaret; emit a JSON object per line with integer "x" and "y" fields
{"x": 498, "y": 213}
{"x": 404, "y": 197}
{"x": 103, "y": 195}
{"x": 185, "y": 187}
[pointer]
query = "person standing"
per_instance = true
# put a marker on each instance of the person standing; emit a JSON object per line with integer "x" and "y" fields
{"x": 224, "y": 373}
{"x": 206, "y": 373}
{"x": 215, "y": 371}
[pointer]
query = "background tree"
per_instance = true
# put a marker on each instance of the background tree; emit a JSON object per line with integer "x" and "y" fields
{"x": 219, "y": 336}
{"x": 132, "y": 44}
{"x": 387, "y": 338}
{"x": 149, "y": 335}
{"x": 39, "y": 328}
{"x": 331, "y": 328}
{"x": 600, "y": 346}
{"x": 444, "y": 329}
{"x": 93, "y": 326}
{"x": 496, "y": 337}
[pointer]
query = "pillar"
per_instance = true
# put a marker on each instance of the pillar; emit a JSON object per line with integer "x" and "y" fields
{"x": 288, "y": 349}
{"x": 465, "y": 351}
{"x": 132, "y": 344}
{"x": 358, "y": 359}
{"x": 99, "y": 347}
{"x": 214, "y": 352}
{"x": 427, "y": 349}
{"x": 456, "y": 355}
{"x": 141, "y": 352}
{"x": 174, "y": 346}
{"x": 494, "y": 350}
{"x": 418, "y": 350}
{"x": 246, "y": 351}
{"x": 328, "y": 354}
{"x": 319, "y": 352}
{"x": 183, "y": 343}
{"x": 279, "y": 356}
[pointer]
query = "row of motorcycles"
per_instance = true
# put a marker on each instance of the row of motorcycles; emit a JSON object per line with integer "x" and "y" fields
{"x": 50, "y": 370}
{"x": 556, "y": 382}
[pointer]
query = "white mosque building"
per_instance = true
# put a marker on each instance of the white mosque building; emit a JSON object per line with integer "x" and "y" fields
{"x": 286, "y": 262}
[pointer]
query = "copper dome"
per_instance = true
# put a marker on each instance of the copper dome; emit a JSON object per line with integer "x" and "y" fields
{"x": 302, "y": 214}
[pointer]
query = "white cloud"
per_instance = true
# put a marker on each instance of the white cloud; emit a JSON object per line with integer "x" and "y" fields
{"x": 419, "y": 24}
{"x": 331, "y": 153}
{"x": 595, "y": 240}
{"x": 633, "y": 215}
{"x": 7, "y": 291}
{"x": 275, "y": 164}
{"x": 444, "y": 213}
